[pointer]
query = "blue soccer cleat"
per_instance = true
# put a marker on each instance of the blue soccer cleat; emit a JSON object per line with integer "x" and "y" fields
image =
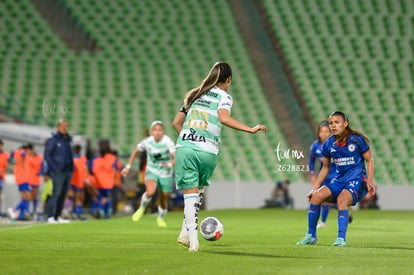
{"x": 308, "y": 239}
{"x": 339, "y": 242}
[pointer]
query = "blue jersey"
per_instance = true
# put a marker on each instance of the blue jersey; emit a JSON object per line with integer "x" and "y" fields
{"x": 316, "y": 153}
{"x": 347, "y": 157}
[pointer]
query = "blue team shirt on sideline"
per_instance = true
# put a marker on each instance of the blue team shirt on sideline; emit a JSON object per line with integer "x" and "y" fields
{"x": 316, "y": 153}
{"x": 350, "y": 165}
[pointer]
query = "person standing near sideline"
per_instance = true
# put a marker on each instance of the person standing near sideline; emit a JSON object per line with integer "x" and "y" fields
{"x": 21, "y": 177}
{"x": 206, "y": 109}
{"x": 79, "y": 179}
{"x": 117, "y": 193}
{"x": 59, "y": 159}
{"x": 4, "y": 163}
{"x": 103, "y": 168}
{"x": 35, "y": 170}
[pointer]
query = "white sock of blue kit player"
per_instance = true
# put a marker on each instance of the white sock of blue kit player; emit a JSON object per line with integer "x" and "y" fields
{"x": 144, "y": 201}
{"x": 162, "y": 212}
{"x": 200, "y": 202}
{"x": 191, "y": 206}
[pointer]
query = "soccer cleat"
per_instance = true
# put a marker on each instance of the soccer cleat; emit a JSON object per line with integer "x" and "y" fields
{"x": 350, "y": 219}
{"x": 161, "y": 223}
{"x": 101, "y": 214}
{"x": 183, "y": 240}
{"x": 339, "y": 242}
{"x": 308, "y": 239}
{"x": 193, "y": 247}
{"x": 51, "y": 220}
{"x": 60, "y": 220}
{"x": 12, "y": 214}
{"x": 138, "y": 214}
{"x": 321, "y": 225}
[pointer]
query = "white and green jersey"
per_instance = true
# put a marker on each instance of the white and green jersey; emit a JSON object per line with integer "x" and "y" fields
{"x": 202, "y": 127}
{"x": 157, "y": 154}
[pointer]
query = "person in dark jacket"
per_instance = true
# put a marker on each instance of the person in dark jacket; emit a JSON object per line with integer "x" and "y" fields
{"x": 59, "y": 159}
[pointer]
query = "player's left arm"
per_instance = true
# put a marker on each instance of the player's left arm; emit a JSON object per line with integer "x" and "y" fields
{"x": 370, "y": 170}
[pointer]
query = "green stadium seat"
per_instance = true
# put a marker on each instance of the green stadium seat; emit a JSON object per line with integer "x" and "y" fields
{"x": 351, "y": 46}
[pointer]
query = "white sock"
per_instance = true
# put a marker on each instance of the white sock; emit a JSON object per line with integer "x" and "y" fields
{"x": 144, "y": 201}
{"x": 191, "y": 202}
{"x": 161, "y": 212}
{"x": 200, "y": 202}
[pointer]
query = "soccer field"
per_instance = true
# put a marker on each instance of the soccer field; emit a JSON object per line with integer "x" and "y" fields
{"x": 254, "y": 242}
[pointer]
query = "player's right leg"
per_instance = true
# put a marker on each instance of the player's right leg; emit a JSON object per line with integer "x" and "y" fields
{"x": 151, "y": 187}
{"x": 191, "y": 209}
{"x": 318, "y": 197}
{"x": 183, "y": 238}
{"x": 192, "y": 171}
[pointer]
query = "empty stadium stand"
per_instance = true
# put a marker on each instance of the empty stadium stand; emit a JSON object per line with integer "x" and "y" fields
{"x": 150, "y": 53}
{"x": 355, "y": 56}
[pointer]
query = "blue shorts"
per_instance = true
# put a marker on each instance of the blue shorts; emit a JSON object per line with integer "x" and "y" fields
{"x": 1, "y": 184}
{"x": 76, "y": 189}
{"x": 24, "y": 187}
{"x": 357, "y": 188}
{"x": 327, "y": 181}
{"x": 104, "y": 193}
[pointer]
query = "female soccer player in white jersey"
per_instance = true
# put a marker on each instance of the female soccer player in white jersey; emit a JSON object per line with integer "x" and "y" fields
{"x": 350, "y": 152}
{"x": 206, "y": 109}
{"x": 160, "y": 150}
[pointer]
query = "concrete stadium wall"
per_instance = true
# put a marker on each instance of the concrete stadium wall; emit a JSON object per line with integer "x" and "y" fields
{"x": 221, "y": 195}
{"x": 228, "y": 195}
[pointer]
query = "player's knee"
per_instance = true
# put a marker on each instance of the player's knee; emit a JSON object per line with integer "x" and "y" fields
{"x": 343, "y": 202}
{"x": 317, "y": 198}
{"x": 150, "y": 192}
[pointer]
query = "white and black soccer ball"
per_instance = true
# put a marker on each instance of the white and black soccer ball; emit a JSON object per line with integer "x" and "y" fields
{"x": 211, "y": 229}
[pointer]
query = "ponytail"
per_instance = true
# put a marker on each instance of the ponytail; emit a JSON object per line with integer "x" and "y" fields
{"x": 218, "y": 74}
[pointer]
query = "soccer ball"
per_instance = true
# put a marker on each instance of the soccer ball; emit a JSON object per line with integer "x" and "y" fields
{"x": 128, "y": 209}
{"x": 211, "y": 229}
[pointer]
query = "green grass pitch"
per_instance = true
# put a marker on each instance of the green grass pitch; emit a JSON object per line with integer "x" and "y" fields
{"x": 261, "y": 241}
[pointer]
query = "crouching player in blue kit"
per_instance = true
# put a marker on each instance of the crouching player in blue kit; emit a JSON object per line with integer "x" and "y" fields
{"x": 350, "y": 152}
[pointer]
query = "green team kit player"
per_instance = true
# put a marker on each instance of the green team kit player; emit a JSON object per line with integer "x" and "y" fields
{"x": 160, "y": 150}
{"x": 206, "y": 109}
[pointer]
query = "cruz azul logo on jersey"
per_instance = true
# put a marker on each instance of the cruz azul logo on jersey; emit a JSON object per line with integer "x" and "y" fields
{"x": 344, "y": 161}
{"x": 192, "y": 136}
{"x": 351, "y": 147}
